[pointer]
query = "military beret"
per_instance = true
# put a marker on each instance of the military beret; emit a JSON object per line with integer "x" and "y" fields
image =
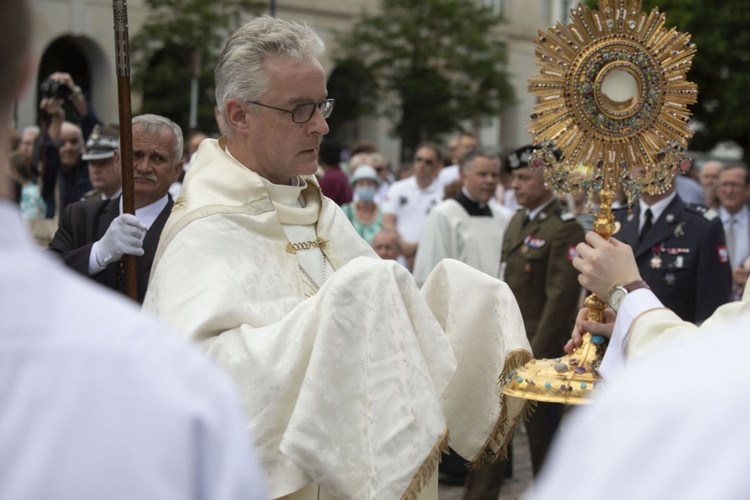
{"x": 519, "y": 158}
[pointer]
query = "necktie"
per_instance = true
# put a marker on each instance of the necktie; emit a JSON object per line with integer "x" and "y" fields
{"x": 646, "y": 225}
{"x": 730, "y": 242}
{"x": 526, "y": 219}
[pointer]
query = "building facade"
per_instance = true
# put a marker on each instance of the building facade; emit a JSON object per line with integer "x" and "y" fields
{"x": 77, "y": 36}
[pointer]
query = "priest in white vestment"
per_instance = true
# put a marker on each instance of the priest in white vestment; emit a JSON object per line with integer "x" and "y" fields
{"x": 466, "y": 228}
{"x": 353, "y": 381}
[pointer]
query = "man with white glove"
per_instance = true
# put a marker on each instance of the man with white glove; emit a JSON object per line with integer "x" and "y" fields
{"x": 95, "y": 234}
{"x": 123, "y": 237}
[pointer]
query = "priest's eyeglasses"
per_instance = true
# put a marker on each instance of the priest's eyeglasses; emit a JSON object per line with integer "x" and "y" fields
{"x": 303, "y": 113}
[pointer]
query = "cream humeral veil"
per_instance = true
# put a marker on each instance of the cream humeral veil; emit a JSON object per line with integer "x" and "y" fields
{"x": 359, "y": 387}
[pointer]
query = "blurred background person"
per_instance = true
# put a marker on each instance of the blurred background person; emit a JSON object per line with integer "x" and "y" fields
{"x": 334, "y": 182}
{"x": 23, "y": 173}
{"x": 466, "y": 228}
{"x": 708, "y": 175}
{"x": 409, "y": 201}
{"x": 385, "y": 244}
{"x": 364, "y": 213}
{"x": 732, "y": 189}
{"x": 105, "y": 177}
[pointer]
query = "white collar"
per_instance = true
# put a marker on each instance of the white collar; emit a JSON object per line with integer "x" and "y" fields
{"x": 148, "y": 214}
{"x": 533, "y": 213}
{"x": 656, "y": 209}
{"x": 739, "y": 217}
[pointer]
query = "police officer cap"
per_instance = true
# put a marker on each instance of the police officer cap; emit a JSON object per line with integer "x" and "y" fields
{"x": 102, "y": 143}
{"x": 519, "y": 158}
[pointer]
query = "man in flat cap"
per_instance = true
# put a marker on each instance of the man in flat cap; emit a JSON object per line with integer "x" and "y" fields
{"x": 100, "y": 155}
{"x": 538, "y": 249}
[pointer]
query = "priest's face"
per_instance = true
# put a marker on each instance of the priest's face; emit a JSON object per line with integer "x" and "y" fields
{"x": 275, "y": 146}
{"x": 481, "y": 178}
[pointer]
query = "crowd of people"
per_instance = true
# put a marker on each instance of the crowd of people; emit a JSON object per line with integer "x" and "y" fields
{"x": 364, "y": 312}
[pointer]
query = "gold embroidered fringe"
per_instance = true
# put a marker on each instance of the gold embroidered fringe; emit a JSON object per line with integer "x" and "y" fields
{"x": 514, "y": 360}
{"x": 428, "y": 468}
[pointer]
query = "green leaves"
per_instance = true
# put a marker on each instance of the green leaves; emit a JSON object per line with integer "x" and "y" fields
{"x": 161, "y": 53}
{"x": 433, "y": 64}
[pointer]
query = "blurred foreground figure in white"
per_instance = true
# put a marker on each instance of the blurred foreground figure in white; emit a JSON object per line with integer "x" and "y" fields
{"x": 669, "y": 424}
{"x": 98, "y": 401}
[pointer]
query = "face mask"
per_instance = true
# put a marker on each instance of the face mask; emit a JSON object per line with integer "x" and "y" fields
{"x": 366, "y": 193}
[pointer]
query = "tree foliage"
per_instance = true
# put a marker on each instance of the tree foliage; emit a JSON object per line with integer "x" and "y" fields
{"x": 162, "y": 51}
{"x": 432, "y": 64}
{"x": 721, "y": 67}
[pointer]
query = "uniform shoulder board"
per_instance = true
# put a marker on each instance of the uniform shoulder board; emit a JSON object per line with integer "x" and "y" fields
{"x": 566, "y": 216}
{"x": 707, "y": 213}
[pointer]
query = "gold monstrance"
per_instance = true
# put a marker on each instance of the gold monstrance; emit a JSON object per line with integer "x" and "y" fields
{"x": 613, "y": 96}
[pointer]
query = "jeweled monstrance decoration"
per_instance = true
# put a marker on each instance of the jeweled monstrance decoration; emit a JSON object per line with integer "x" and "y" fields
{"x": 613, "y": 97}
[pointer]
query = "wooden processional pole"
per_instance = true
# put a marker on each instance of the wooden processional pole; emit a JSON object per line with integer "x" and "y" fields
{"x": 122, "y": 63}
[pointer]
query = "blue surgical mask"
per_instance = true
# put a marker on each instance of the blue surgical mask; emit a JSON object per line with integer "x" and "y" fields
{"x": 365, "y": 193}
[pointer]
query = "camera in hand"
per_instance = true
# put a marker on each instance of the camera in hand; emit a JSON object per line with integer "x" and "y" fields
{"x": 53, "y": 88}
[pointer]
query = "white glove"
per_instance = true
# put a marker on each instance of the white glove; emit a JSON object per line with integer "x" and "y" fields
{"x": 124, "y": 236}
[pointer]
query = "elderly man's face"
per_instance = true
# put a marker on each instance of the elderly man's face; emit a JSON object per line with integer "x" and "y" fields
{"x": 154, "y": 166}
{"x": 280, "y": 149}
{"x": 386, "y": 245}
{"x": 71, "y": 145}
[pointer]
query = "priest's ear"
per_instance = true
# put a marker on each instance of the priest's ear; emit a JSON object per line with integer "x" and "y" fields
{"x": 237, "y": 115}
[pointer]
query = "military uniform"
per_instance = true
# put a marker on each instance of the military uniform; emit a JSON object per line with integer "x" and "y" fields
{"x": 683, "y": 258}
{"x": 537, "y": 261}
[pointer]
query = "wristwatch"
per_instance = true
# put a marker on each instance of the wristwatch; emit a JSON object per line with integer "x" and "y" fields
{"x": 617, "y": 293}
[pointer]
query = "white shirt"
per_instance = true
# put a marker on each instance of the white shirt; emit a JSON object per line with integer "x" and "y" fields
{"x": 656, "y": 209}
{"x": 741, "y": 231}
{"x": 533, "y": 213}
{"x": 100, "y": 401}
{"x": 411, "y": 204}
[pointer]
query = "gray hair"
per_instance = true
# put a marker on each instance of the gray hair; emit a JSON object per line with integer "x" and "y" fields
{"x": 153, "y": 124}
{"x": 240, "y": 72}
{"x": 467, "y": 162}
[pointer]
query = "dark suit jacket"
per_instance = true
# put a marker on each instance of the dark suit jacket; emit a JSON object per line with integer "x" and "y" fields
{"x": 539, "y": 272}
{"x": 682, "y": 258}
{"x": 84, "y": 222}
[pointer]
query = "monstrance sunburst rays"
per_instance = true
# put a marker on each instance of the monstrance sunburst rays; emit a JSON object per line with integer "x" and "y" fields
{"x": 648, "y": 129}
{"x": 613, "y": 96}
